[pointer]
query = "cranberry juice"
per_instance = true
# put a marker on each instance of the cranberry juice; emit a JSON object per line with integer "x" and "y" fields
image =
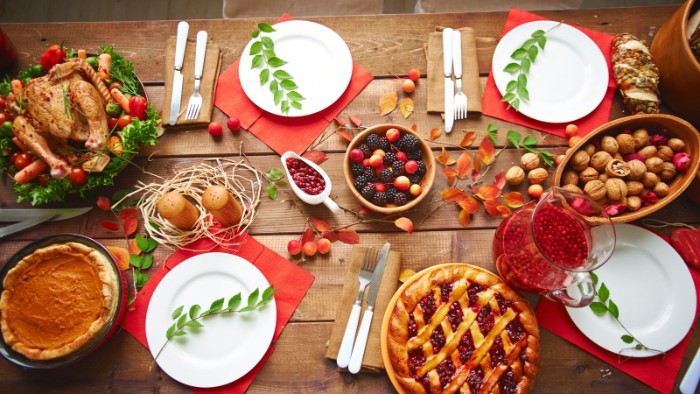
{"x": 306, "y": 178}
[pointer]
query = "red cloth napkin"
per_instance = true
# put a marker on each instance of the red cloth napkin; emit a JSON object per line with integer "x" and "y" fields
{"x": 290, "y": 280}
{"x": 657, "y": 372}
{"x": 282, "y": 133}
{"x": 491, "y": 100}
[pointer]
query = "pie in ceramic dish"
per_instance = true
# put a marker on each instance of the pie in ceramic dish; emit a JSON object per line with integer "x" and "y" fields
{"x": 459, "y": 328}
{"x": 58, "y": 299}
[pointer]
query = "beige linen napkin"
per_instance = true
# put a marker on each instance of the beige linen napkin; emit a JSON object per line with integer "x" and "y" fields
{"x": 470, "y": 71}
{"x": 212, "y": 61}
{"x": 372, "y": 361}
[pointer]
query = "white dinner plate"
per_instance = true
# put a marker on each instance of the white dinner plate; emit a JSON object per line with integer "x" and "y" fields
{"x": 318, "y": 59}
{"x": 653, "y": 290}
{"x": 567, "y": 80}
{"x": 229, "y": 345}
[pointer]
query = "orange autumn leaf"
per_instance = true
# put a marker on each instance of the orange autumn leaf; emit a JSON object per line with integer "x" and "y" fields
{"x": 134, "y": 247}
{"x": 110, "y": 226}
{"x": 477, "y": 163}
{"x": 103, "y": 203}
{"x": 406, "y": 275}
{"x": 348, "y": 236}
{"x": 487, "y": 151}
{"x": 128, "y": 212}
{"x": 469, "y": 204}
{"x": 130, "y": 224}
{"x": 488, "y": 192}
{"x": 500, "y": 180}
{"x": 121, "y": 256}
{"x": 341, "y": 121}
{"x": 476, "y": 174}
{"x": 307, "y": 236}
{"x": 330, "y": 235}
{"x": 388, "y": 103}
{"x": 404, "y": 224}
{"x": 355, "y": 120}
{"x": 464, "y": 218}
{"x": 406, "y": 107}
{"x": 445, "y": 159}
{"x": 435, "y": 134}
{"x": 468, "y": 139}
{"x": 451, "y": 174}
{"x": 495, "y": 208}
{"x": 345, "y": 135}
{"x": 464, "y": 165}
{"x": 514, "y": 200}
{"x": 320, "y": 225}
{"x": 414, "y": 127}
{"x": 453, "y": 194}
{"x": 316, "y": 156}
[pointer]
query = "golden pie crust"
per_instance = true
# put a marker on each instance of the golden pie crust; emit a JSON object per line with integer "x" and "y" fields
{"x": 57, "y": 299}
{"x": 459, "y": 328}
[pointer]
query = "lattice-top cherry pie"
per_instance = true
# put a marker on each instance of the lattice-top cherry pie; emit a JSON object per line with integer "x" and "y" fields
{"x": 459, "y": 328}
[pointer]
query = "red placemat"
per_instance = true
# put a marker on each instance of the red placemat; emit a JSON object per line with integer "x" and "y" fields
{"x": 657, "y": 372}
{"x": 491, "y": 100}
{"x": 290, "y": 280}
{"x": 278, "y": 132}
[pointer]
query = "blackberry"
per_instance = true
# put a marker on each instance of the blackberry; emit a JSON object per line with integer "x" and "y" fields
{"x": 369, "y": 174}
{"x": 415, "y": 155}
{"x": 415, "y": 178}
{"x": 389, "y": 158}
{"x": 360, "y": 182}
{"x": 372, "y": 141}
{"x": 390, "y": 193}
{"x": 421, "y": 168}
{"x": 398, "y": 168}
{"x": 400, "y": 198}
{"x": 384, "y": 144}
{"x": 401, "y": 142}
{"x": 386, "y": 176}
{"x": 368, "y": 191}
{"x": 366, "y": 150}
{"x": 379, "y": 199}
{"x": 411, "y": 143}
{"x": 356, "y": 169}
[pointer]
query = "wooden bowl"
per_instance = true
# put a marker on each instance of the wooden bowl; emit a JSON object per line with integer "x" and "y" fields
{"x": 677, "y": 127}
{"x": 426, "y": 183}
{"x": 679, "y": 70}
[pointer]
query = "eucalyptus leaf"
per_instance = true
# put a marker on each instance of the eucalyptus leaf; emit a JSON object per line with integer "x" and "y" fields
{"x": 234, "y": 301}
{"x": 512, "y": 68}
{"x": 612, "y": 307}
{"x": 257, "y": 61}
{"x": 264, "y": 76}
{"x": 603, "y": 292}
{"x": 181, "y": 321}
{"x": 279, "y": 95}
{"x": 281, "y": 74}
{"x": 295, "y": 96}
{"x": 295, "y": 104}
{"x": 519, "y": 54}
{"x": 532, "y": 53}
{"x": 256, "y": 48}
{"x": 171, "y": 331}
{"x": 271, "y": 192}
{"x": 522, "y": 80}
{"x": 269, "y": 54}
{"x": 264, "y": 27}
{"x": 253, "y": 297}
{"x": 537, "y": 33}
{"x": 267, "y": 42}
{"x": 514, "y": 138}
{"x": 529, "y": 141}
{"x": 525, "y": 65}
{"x": 598, "y": 307}
{"x": 274, "y": 174}
{"x": 529, "y": 42}
{"x": 274, "y": 86}
{"x": 508, "y": 97}
{"x": 217, "y": 305}
{"x": 177, "y": 312}
{"x": 523, "y": 93}
{"x": 512, "y": 85}
{"x": 194, "y": 311}
{"x": 288, "y": 84}
{"x": 255, "y": 34}
{"x": 194, "y": 324}
{"x": 542, "y": 41}
{"x": 276, "y": 62}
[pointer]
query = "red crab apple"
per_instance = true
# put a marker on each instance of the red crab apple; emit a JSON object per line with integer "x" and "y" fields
{"x": 402, "y": 183}
{"x": 356, "y": 155}
{"x": 414, "y": 74}
{"x": 294, "y": 247}
{"x": 401, "y": 156}
{"x": 408, "y": 86}
{"x": 393, "y": 134}
{"x": 411, "y": 166}
{"x": 323, "y": 245}
{"x": 233, "y": 124}
{"x": 310, "y": 248}
{"x": 215, "y": 129}
{"x": 376, "y": 161}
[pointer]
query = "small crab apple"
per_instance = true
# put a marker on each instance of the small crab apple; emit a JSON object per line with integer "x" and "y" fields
{"x": 393, "y": 134}
{"x": 573, "y": 141}
{"x": 559, "y": 159}
{"x": 415, "y": 190}
{"x": 401, "y": 156}
{"x": 408, "y": 86}
{"x": 309, "y": 248}
{"x": 233, "y": 124}
{"x": 414, "y": 74}
{"x": 215, "y": 129}
{"x": 365, "y": 163}
{"x": 402, "y": 182}
{"x": 411, "y": 166}
{"x": 323, "y": 245}
{"x": 535, "y": 191}
{"x": 379, "y": 187}
{"x": 356, "y": 155}
{"x": 376, "y": 161}
{"x": 294, "y": 247}
{"x": 570, "y": 130}
{"x": 379, "y": 152}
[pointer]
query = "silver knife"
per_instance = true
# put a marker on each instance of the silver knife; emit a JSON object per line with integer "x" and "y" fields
{"x": 32, "y": 216}
{"x": 358, "y": 351}
{"x": 692, "y": 375}
{"x": 449, "y": 85}
{"x": 182, "y": 30}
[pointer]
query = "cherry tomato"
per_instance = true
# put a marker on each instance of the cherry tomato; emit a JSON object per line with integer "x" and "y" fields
{"x": 78, "y": 176}
{"x": 43, "y": 179}
{"x": 233, "y": 124}
{"x": 215, "y": 129}
{"x": 124, "y": 121}
{"x": 3, "y": 103}
{"x": 112, "y": 122}
{"x": 22, "y": 160}
{"x": 3, "y": 117}
{"x": 13, "y": 157}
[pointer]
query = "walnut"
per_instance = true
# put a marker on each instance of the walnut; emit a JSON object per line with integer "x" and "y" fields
{"x": 529, "y": 161}
{"x": 648, "y": 152}
{"x": 589, "y": 148}
{"x": 515, "y": 176}
{"x": 664, "y": 153}
{"x": 676, "y": 144}
{"x": 588, "y": 174}
{"x": 599, "y": 160}
{"x": 668, "y": 171}
{"x": 595, "y": 189}
{"x": 617, "y": 168}
{"x": 616, "y": 188}
{"x": 603, "y": 201}
{"x": 641, "y": 137}
{"x": 603, "y": 177}
{"x": 569, "y": 177}
{"x": 537, "y": 176}
{"x": 637, "y": 170}
{"x": 634, "y": 188}
{"x": 634, "y": 203}
{"x": 609, "y": 144}
{"x": 573, "y": 188}
{"x": 580, "y": 160}
{"x": 625, "y": 143}
{"x": 650, "y": 180}
{"x": 661, "y": 189}
{"x": 654, "y": 164}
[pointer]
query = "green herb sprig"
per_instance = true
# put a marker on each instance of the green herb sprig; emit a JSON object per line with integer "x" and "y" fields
{"x": 491, "y": 132}
{"x": 144, "y": 260}
{"x": 274, "y": 177}
{"x": 282, "y": 85}
{"x": 516, "y": 89}
{"x": 603, "y": 304}
{"x": 529, "y": 143}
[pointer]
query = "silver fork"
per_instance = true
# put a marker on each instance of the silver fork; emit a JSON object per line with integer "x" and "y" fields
{"x": 195, "y": 103}
{"x": 460, "y": 97}
{"x": 369, "y": 262}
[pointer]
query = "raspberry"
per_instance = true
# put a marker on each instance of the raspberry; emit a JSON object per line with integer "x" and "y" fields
{"x": 400, "y": 198}
{"x": 398, "y": 168}
{"x": 389, "y": 158}
{"x": 379, "y": 199}
{"x": 415, "y": 155}
{"x": 356, "y": 169}
{"x": 366, "y": 150}
{"x": 415, "y": 178}
{"x": 360, "y": 182}
{"x": 368, "y": 191}
{"x": 386, "y": 176}
{"x": 421, "y": 168}
{"x": 384, "y": 144}
{"x": 372, "y": 141}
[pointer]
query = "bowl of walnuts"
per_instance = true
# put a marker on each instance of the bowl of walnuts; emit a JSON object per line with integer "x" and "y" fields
{"x": 633, "y": 166}
{"x": 389, "y": 168}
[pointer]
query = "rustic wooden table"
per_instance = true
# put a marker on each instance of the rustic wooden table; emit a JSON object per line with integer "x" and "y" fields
{"x": 385, "y": 45}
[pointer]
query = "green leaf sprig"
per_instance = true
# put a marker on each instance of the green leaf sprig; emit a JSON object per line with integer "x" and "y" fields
{"x": 516, "y": 89}
{"x": 189, "y": 318}
{"x": 491, "y": 132}
{"x": 603, "y": 304}
{"x": 274, "y": 177}
{"x": 282, "y": 85}
{"x": 143, "y": 260}
{"x": 529, "y": 143}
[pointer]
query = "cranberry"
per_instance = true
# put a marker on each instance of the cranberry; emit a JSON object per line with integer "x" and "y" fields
{"x": 485, "y": 319}
{"x": 503, "y": 304}
{"x": 412, "y": 326}
{"x": 466, "y": 347}
{"x": 306, "y": 178}
{"x": 445, "y": 290}
{"x": 473, "y": 292}
{"x": 416, "y": 359}
{"x": 515, "y": 330}
{"x": 475, "y": 379}
{"x": 498, "y": 354}
{"x": 437, "y": 338}
{"x": 427, "y": 305}
{"x": 446, "y": 371}
{"x": 560, "y": 237}
{"x": 454, "y": 315}
{"x": 507, "y": 382}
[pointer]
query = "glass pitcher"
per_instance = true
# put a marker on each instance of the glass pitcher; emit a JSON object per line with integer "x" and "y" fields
{"x": 550, "y": 246}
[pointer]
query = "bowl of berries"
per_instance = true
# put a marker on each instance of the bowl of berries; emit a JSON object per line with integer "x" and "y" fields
{"x": 389, "y": 168}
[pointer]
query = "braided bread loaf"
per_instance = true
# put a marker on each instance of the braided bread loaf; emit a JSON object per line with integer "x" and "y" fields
{"x": 636, "y": 75}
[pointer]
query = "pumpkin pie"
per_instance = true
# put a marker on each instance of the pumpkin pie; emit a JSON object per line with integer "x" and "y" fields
{"x": 58, "y": 299}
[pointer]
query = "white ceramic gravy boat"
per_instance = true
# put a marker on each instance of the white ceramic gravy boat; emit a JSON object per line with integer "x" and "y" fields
{"x": 323, "y": 197}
